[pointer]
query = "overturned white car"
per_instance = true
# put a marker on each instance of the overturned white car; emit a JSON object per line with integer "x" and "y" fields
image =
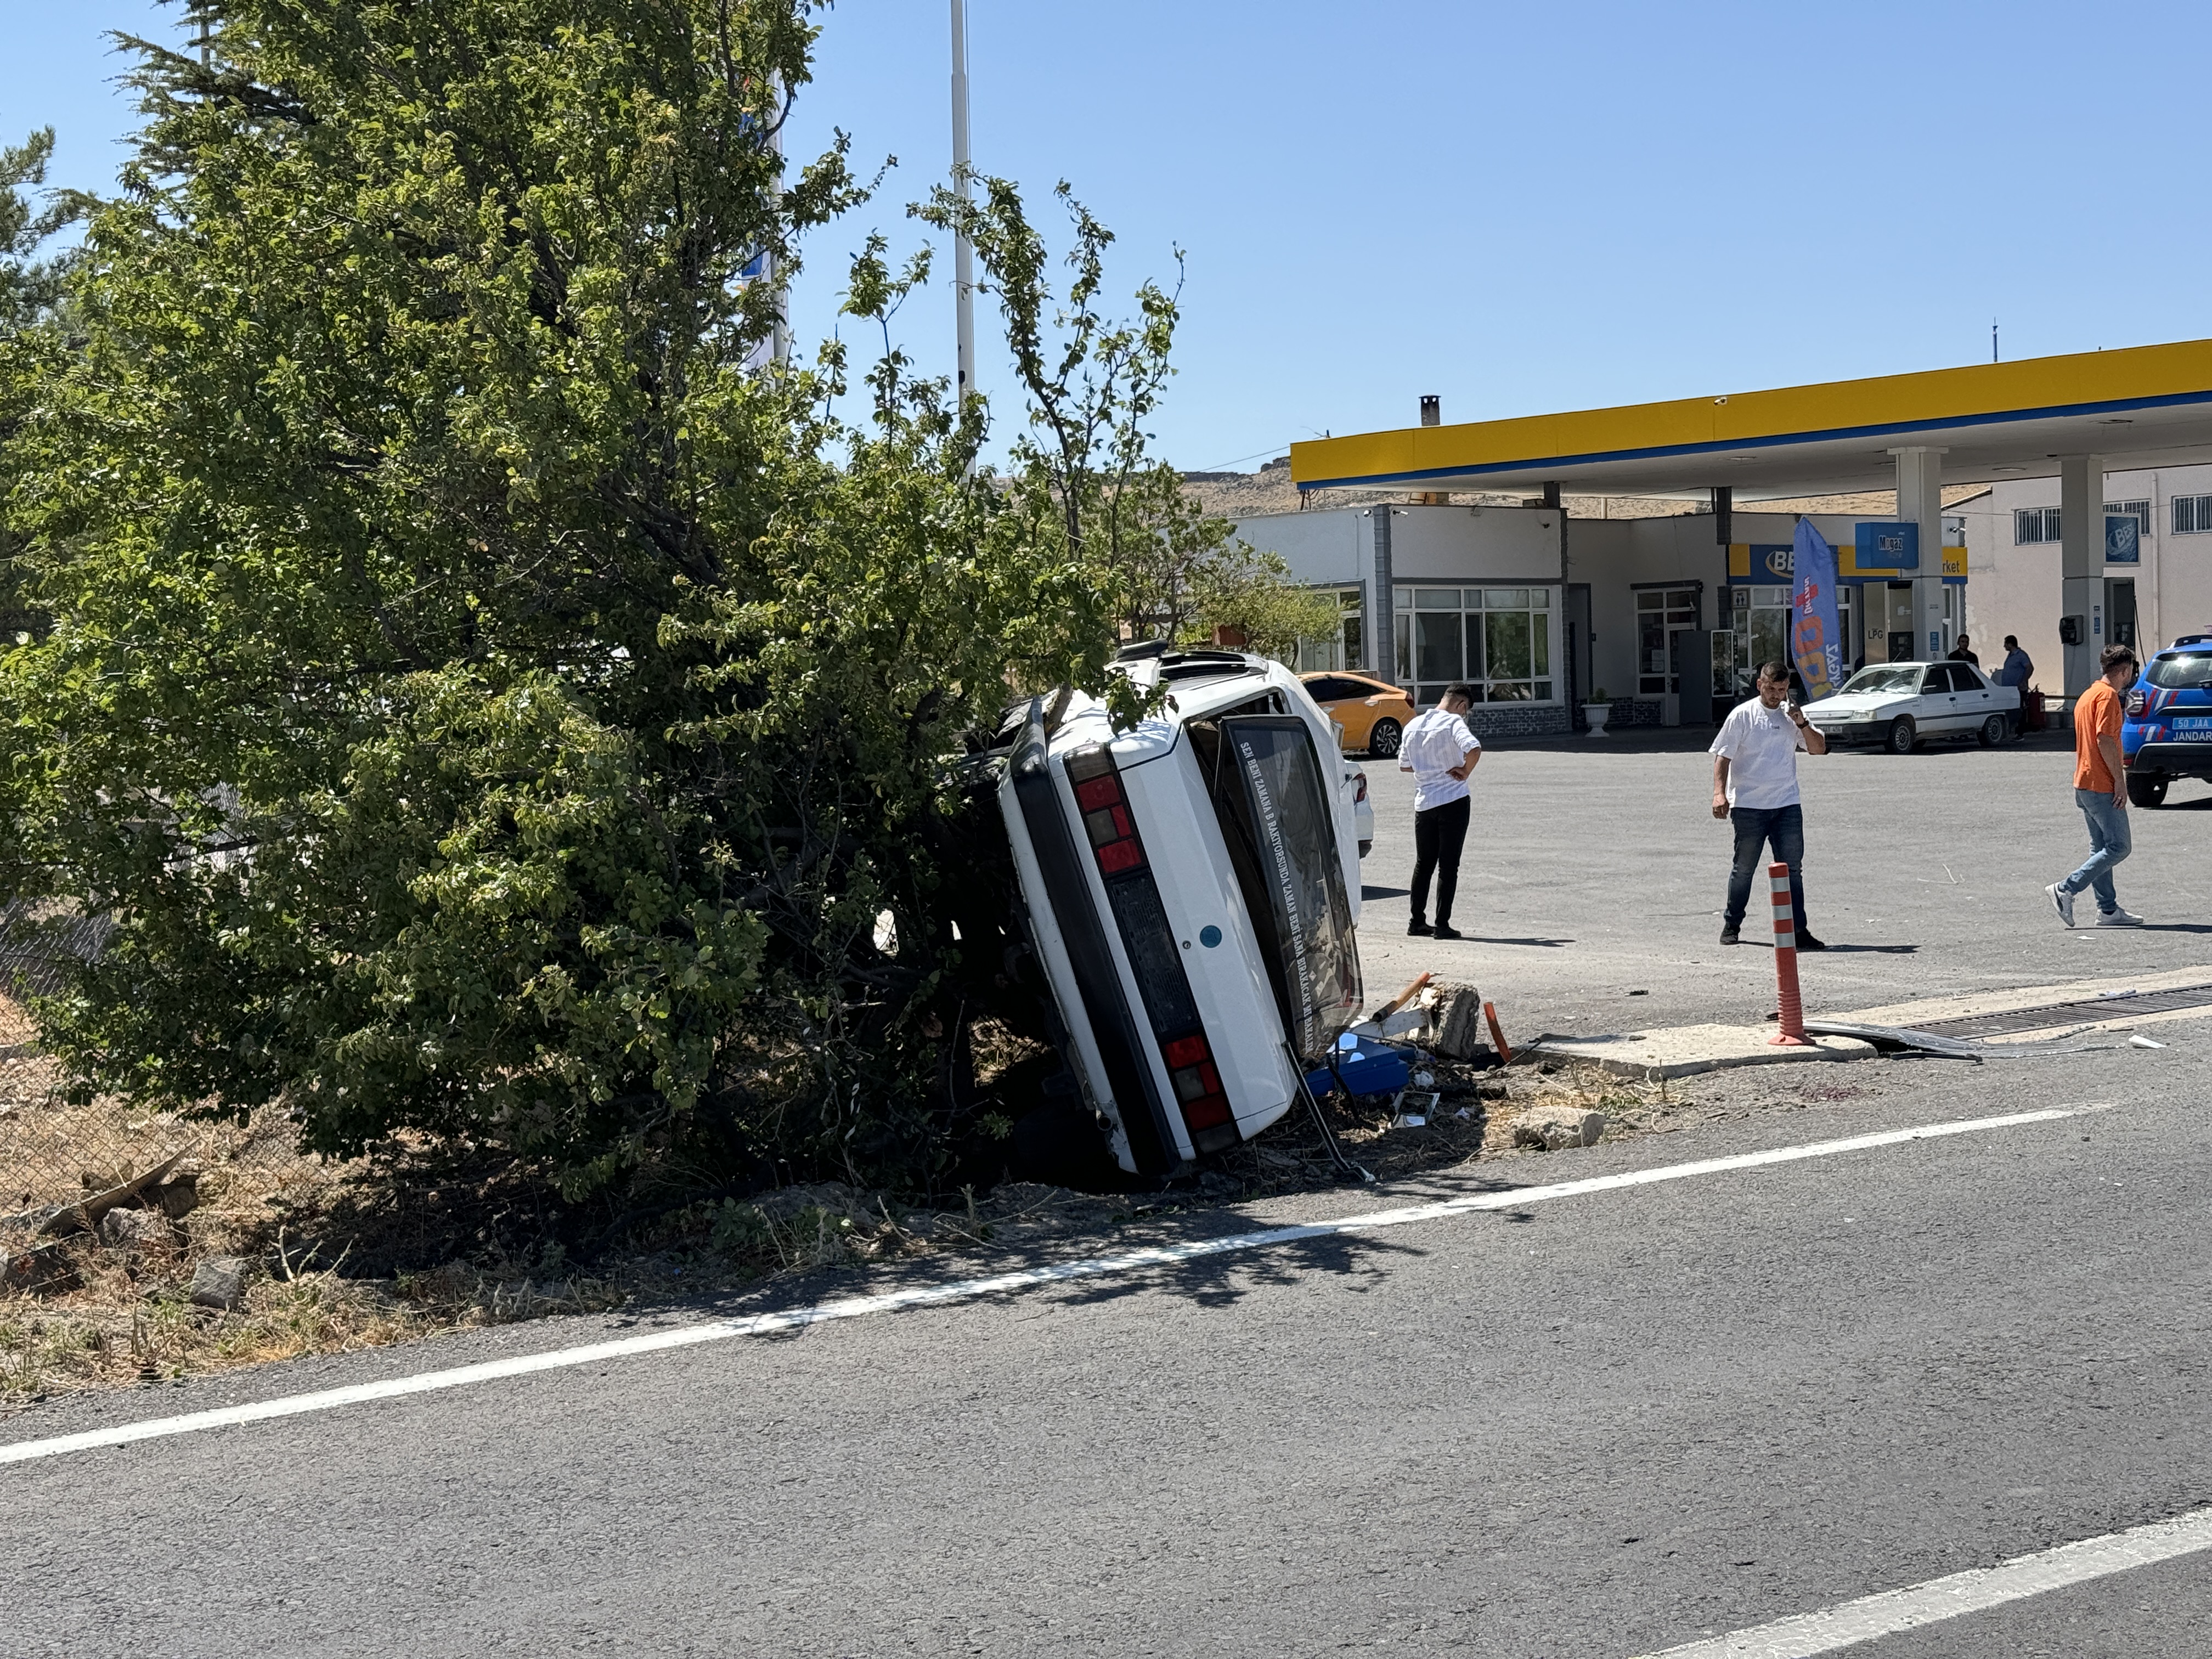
{"x": 1191, "y": 888}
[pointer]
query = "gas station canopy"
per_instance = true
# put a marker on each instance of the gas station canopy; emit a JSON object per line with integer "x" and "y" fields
{"x": 2145, "y": 406}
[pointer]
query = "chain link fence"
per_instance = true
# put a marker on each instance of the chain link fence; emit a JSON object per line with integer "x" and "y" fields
{"x": 53, "y": 1152}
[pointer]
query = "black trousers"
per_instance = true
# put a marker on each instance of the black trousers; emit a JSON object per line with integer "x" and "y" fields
{"x": 1438, "y": 836}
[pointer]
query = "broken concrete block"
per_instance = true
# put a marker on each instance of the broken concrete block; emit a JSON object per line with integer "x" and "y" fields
{"x": 1458, "y": 1022}
{"x": 43, "y": 1270}
{"x": 1555, "y": 1127}
{"x": 136, "y": 1230}
{"x": 177, "y": 1196}
{"x": 219, "y": 1282}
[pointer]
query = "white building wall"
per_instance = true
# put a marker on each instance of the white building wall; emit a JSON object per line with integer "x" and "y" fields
{"x": 2013, "y": 587}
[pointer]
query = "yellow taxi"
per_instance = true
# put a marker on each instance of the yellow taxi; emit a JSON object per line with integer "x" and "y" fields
{"x": 1373, "y": 715}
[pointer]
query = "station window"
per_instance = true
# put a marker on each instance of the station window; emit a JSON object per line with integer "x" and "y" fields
{"x": 2192, "y": 516}
{"x": 2031, "y": 525}
{"x": 1498, "y": 639}
{"x": 1342, "y": 650}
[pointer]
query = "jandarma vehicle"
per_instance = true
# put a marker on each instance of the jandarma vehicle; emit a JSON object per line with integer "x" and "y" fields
{"x": 1897, "y": 704}
{"x": 1191, "y": 889}
{"x": 2167, "y": 734}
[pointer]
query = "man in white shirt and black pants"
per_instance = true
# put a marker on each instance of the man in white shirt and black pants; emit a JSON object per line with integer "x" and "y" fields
{"x": 1439, "y": 751}
{"x": 1755, "y": 787}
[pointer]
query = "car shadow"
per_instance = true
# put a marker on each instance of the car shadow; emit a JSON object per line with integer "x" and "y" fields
{"x": 2173, "y": 927}
{"x": 1540, "y": 944}
{"x": 1367, "y": 892}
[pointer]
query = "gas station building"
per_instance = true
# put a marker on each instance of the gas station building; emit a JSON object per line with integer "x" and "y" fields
{"x": 2097, "y": 469}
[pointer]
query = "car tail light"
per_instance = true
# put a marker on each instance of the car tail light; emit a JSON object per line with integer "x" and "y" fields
{"x": 1106, "y": 820}
{"x": 2135, "y": 702}
{"x": 1199, "y": 1093}
{"x": 1358, "y": 787}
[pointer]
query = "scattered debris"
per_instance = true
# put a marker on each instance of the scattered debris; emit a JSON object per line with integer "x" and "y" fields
{"x": 2139, "y": 1041}
{"x": 138, "y": 1230}
{"x": 1554, "y": 1126}
{"x": 220, "y": 1283}
{"x": 1496, "y": 1035}
{"x": 1458, "y": 1023}
{"x": 84, "y": 1216}
{"x": 42, "y": 1270}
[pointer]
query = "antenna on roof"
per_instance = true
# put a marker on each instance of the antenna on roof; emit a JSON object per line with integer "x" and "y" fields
{"x": 1993, "y": 339}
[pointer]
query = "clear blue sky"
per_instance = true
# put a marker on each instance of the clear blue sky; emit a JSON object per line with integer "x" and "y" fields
{"x": 1520, "y": 208}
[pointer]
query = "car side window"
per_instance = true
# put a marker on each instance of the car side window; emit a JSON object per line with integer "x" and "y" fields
{"x": 1962, "y": 678}
{"x": 1328, "y": 690}
{"x": 1935, "y": 681}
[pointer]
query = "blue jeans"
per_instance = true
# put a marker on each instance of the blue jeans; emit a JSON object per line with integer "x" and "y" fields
{"x": 2110, "y": 841}
{"x": 1783, "y": 828}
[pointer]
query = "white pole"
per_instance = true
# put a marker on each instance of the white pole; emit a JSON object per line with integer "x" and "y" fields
{"x": 963, "y": 256}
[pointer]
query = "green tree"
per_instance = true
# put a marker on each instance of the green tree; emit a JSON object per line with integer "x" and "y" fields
{"x": 483, "y": 699}
{"x": 31, "y": 286}
{"x": 1251, "y": 592}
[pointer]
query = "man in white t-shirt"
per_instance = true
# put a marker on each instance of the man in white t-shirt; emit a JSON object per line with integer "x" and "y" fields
{"x": 1755, "y": 788}
{"x": 1439, "y": 751}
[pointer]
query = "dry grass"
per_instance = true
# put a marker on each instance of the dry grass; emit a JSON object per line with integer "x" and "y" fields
{"x": 133, "y": 1320}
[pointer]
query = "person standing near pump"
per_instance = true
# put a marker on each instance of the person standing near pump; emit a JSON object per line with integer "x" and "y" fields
{"x": 1963, "y": 651}
{"x": 2019, "y": 667}
{"x": 1440, "y": 752}
{"x": 2100, "y": 790}
{"x": 1755, "y": 788}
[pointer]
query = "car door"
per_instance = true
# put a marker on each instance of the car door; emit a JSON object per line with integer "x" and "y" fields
{"x": 1937, "y": 708}
{"x": 1974, "y": 694}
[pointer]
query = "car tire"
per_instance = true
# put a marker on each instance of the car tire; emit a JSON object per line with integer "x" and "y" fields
{"x": 1993, "y": 732}
{"x": 1383, "y": 739}
{"x": 1903, "y": 735}
{"x": 2148, "y": 788}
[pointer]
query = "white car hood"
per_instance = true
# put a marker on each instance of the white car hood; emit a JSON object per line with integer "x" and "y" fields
{"x": 1849, "y": 703}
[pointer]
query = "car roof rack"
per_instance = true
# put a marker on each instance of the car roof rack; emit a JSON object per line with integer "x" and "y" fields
{"x": 1142, "y": 650}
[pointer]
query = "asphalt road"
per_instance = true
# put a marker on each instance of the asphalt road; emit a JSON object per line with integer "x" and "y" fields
{"x": 1594, "y": 870}
{"x": 1601, "y": 1424}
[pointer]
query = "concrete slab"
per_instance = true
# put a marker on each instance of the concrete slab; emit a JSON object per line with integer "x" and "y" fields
{"x": 1683, "y": 1050}
{"x": 2013, "y": 998}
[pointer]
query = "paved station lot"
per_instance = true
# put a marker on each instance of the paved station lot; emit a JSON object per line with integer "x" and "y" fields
{"x": 1595, "y": 869}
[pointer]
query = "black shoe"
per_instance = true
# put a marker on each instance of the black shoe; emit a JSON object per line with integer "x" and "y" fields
{"x": 1807, "y": 942}
{"x": 1445, "y": 930}
{"x": 1730, "y": 936}
{"x": 1417, "y": 928}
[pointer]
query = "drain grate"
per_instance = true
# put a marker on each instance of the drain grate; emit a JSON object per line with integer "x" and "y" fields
{"x": 2072, "y": 1014}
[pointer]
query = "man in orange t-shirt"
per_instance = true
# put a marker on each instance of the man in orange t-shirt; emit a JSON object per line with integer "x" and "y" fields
{"x": 2100, "y": 790}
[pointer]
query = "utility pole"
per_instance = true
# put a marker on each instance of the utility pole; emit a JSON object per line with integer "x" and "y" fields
{"x": 964, "y": 255}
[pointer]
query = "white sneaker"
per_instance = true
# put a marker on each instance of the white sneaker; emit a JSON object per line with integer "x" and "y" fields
{"x": 2119, "y": 919}
{"x": 2062, "y": 901}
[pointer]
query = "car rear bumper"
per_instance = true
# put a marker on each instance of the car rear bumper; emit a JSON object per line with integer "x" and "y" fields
{"x": 2188, "y": 760}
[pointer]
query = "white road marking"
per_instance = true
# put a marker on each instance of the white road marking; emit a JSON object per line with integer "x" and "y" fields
{"x": 1804, "y": 1634}
{"x": 969, "y": 1289}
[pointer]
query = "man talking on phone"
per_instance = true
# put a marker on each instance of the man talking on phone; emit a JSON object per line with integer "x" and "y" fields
{"x": 1755, "y": 788}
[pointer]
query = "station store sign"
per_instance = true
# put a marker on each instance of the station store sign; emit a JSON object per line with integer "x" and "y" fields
{"x": 1776, "y": 561}
{"x": 2123, "y": 538}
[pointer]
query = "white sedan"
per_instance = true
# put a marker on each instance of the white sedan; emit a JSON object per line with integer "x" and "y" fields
{"x": 1897, "y": 704}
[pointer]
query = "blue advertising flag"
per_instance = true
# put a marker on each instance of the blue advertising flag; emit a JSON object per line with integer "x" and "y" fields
{"x": 1816, "y": 637}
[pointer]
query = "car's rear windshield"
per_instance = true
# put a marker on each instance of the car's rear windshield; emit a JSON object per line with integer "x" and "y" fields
{"x": 1271, "y": 795}
{"x": 2186, "y": 669}
{"x": 1884, "y": 679}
